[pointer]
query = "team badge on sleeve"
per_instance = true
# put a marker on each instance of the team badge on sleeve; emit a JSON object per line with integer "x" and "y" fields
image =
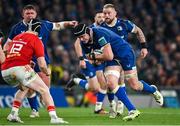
{"x": 102, "y": 41}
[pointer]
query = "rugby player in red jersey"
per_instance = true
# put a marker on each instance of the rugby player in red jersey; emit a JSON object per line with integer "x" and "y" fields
{"x": 16, "y": 70}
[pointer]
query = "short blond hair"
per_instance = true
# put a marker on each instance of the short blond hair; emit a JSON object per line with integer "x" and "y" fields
{"x": 108, "y": 6}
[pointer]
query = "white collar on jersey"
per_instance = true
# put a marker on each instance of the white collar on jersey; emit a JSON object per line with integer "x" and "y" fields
{"x": 24, "y": 22}
{"x": 113, "y": 23}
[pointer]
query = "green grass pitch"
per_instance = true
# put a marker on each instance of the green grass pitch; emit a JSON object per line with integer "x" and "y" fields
{"x": 85, "y": 116}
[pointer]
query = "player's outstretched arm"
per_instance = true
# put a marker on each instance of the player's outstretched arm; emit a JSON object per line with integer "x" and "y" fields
{"x": 142, "y": 40}
{"x": 64, "y": 24}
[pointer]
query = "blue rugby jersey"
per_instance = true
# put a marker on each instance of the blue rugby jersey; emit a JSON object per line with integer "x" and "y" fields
{"x": 122, "y": 28}
{"x": 103, "y": 36}
{"x": 46, "y": 27}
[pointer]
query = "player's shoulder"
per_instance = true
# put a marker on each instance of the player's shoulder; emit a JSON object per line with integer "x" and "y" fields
{"x": 45, "y": 22}
{"x": 97, "y": 29}
{"x": 125, "y": 21}
{"x": 17, "y": 25}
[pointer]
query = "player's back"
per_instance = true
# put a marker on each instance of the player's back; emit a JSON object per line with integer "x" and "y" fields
{"x": 21, "y": 50}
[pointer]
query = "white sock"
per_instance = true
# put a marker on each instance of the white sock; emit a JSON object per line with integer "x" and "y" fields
{"x": 113, "y": 105}
{"x": 77, "y": 80}
{"x": 98, "y": 106}
{"x": 14, "y": 111}
{"x": 52, "y": 114}
{"x": 87, "y": 86}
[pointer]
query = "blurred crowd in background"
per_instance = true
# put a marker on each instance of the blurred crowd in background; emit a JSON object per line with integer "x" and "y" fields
{"x": 159, "y": 20}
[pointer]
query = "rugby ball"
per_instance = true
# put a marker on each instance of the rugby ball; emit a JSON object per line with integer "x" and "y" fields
{"x": 98, "y": 51}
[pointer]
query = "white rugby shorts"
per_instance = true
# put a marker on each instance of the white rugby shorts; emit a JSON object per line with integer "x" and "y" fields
{"x": 19, "y": 75}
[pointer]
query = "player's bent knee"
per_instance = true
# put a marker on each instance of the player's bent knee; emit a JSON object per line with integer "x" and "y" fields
{"x": 43, "y": 91}
{"x": 111, "y": 85}
{"x": 104, "y": 87}
{"x": 31, "y": 93}
{"x": 135, "y": 85}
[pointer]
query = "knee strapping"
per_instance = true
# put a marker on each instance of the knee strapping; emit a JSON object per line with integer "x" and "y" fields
{"x": 112, "y": 72}
{"x": 131, "y": 75}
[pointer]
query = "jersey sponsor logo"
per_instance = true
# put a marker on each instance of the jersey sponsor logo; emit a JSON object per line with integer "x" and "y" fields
{"x": 29, "y": 78}
{"x": 102, "y": 41}
{"x": 129, "y": 65}
{"x": 119, "y": 28}
{"x": 91, "y": 74}
{"x": 122, "y": 36}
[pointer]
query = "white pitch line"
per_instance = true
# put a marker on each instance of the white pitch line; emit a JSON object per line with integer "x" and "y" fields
{"x": 160, "y": 113}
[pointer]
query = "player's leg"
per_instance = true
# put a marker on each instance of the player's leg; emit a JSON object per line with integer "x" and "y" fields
{"x": 38, "y": 85}
{"x": 89, "y": 73}
{"x": 33, "y": 102}
{"x": 18, "y": 98}
{"x": 129, "y": 66}
{"x": 91, "y": 83}
{"x": 32, "y": 97}
{"x": 131, "y": 77}
{"x": 100, "y": 95}
{"x": 9, "y": 75}
{"x": 120, "y": 105}
{"x": 28, "y": 78}
{"x": 112, "y": 75}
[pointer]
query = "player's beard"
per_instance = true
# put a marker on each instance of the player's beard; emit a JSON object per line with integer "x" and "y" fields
{"x": 108, "y": 20}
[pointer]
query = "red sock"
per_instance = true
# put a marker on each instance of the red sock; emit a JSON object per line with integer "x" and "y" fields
{"x": 16, "y": 104}
{"x": 51, "y": 108}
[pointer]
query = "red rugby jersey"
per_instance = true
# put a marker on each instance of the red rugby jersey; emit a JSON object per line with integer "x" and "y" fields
{"x": 21, "y": 50}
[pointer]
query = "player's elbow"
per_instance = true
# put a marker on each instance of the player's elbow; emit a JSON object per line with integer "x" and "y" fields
{"x": 2, "y": 60}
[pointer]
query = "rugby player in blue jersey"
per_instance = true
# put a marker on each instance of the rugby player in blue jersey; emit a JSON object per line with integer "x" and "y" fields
{"x": 98, "y": 20}
{"x": 115, "y": 50}
{"x": 30, "y": 12}
{"x": 122, "y": 28}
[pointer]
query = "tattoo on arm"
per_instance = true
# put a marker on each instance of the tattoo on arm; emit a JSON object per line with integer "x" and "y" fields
{"x": 140, "y": 35}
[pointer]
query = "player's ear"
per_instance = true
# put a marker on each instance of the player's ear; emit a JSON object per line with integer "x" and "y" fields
{"x": 88, "y": 31}
{"x": 115, "y": 13}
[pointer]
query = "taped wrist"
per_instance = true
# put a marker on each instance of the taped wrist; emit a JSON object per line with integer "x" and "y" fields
{"x": 81, "y": 58}
{"x": 144, "y": 45}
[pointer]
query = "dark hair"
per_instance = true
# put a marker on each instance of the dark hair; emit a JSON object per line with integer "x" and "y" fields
{"x": 34, "y": 25}
{"x": 30, "y": 6}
